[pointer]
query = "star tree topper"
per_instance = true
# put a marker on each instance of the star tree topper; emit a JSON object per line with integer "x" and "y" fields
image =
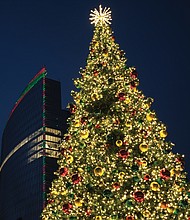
{"x": 103, "y": 16}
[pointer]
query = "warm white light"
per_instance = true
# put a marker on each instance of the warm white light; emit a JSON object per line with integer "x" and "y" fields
{"x": 103, "y": 16}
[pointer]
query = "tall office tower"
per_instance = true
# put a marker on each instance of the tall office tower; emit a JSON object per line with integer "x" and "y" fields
{"x": 29, "y": 149}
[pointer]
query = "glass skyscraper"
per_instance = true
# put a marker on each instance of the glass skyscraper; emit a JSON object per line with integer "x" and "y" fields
{"x": 29, "y": 149}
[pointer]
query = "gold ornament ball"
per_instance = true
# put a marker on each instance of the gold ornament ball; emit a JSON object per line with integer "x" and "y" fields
{"x": 121, "y": 175}
{"x": 96, "y": 44}
{"x": 98, "y": 218}
{"x": 146, "y": 105}
{"x": 84, "y": 134}
{"x": 94, "y": 96}
{"x": 119, "y": 143}
{"x": 128, "y": 124}
{"x": 80, "y": 170}
{"x": 146, "y": 213}
{"x": 155, "y": 186}
{"x": 98, "y": 171}
{"x": 77, "y": 123}
{"x": 134, "y": 89}
{"x": 104, "y": 63}
{"x": 54, "y": 192}
{"x": 78, "y": 202}
{"x": 175, "y": 172}
{"x": 105, "y": 54}
{"x": 143, "y": 147}
{"x": 69, "y": 159}
{"x": 181, "y": 189}
{"x": 170, "y": 209}
{"x": 143, "y": 163}
{"x": 64, "y": 192}
{"x": 150, "y": 116}
{"x": 127, "y": 100}
{"x": 163, "y": 133}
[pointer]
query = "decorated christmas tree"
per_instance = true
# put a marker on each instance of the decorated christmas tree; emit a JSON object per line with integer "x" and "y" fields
{"x": 115, "y": 161}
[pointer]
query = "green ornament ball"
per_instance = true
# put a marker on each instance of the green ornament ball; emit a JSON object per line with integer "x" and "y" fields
{"x": 54, "y": 213}
{"x": 135, "y": 168}
{"x": 183, "y": 203}
{"x": 68, "y": 185}
{"x": 176, "y": 212}
{"x": 136, "y": 179}
{"x": 107, "y": 193}
{"x": 159, "y": 180}
{"x": 78, "y": 86}
{"x": 129, "y": 203}
{"x": 89, "y": 169}
{"x": 72, "y": 196}
{"x": 110, "y": 137}
{"x": 188, "y": 194}
{"x": 140, "y": 121}
{"x": 114, "y": 171}
{"x": 114, "y": 217}
{"x": 90, "y": 188}
{"x": 73, "y": 218}
{"x": 82, "y": 145}
{"x": 110, "y": 81}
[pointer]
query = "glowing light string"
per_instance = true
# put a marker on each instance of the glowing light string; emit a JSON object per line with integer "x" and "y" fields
{"x": 28, "y": 88}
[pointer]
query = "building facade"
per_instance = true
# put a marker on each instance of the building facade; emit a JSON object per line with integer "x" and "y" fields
{"x": 29, "y": 149}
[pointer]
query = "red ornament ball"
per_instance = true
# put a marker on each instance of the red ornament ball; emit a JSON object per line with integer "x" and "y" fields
{"x": 62, "y": 151}
{"x": 97, "y": 126}
{"x": 50, "y": 201}
{"x": 84, "y": 120}
{"x": 116, "y": 121}
{"x": 125, "y": 143}
{"x": 134, "y": 74}
{"x": 133, "y": 85}
{"x": 180, "y": 160}
{"x": 129, "y": 218}
{"x": 121, "y": 96}
{"x": 88, "y": 212}
{"x": 116, "y": 185}
{"x": 63, "y": 171}
{"x": 122, "y": 52}
{"x": 146, "y": 177}
{"x": 133, "y": 113}
{"x": 123, "y": 154}
{"x": 165, "y": 174}
{"x": 66, "y": 208}
{"x": 76, "y": 178}
{"x": 138, "y": 196}
{"x": 68, "y": 137}
{"x": 144, "y": 133}
{"x": 113, "y": 38}
{"x": 95, "y": 72}
{"x": 72, "y": 108}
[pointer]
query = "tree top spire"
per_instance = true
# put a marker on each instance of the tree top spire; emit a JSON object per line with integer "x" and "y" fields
{"x": 101, "y": 16}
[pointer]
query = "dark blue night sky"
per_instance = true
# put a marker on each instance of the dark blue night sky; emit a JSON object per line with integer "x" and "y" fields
{"x": 154, "y": 34}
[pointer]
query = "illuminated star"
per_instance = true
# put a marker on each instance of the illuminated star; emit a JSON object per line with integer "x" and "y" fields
{"x": 103, "y": 16}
